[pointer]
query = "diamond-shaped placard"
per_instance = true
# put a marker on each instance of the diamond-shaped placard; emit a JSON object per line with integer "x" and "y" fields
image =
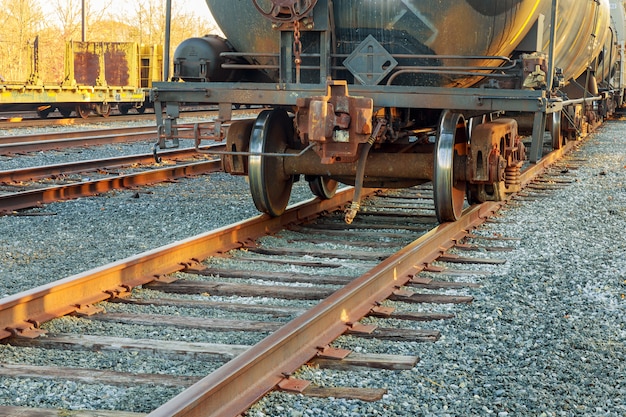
{"x": 370, "y": 62}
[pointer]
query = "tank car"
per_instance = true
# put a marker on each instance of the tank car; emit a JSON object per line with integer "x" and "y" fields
{"x": 394, "y": 93}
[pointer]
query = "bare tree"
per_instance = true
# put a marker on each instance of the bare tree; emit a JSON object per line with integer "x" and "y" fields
{"x": 21, "y": 22}
{"x": 69, "y": 14}
{"x": 149, "y": 22}
{"x": 141, "y": 21}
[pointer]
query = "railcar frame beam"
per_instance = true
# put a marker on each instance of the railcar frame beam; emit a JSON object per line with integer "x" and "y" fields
{"x": 479, "y": 100}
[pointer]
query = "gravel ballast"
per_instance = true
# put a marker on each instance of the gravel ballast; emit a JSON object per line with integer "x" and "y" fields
{"x": 70, "y": 237}
{"x": 545, "y": 335}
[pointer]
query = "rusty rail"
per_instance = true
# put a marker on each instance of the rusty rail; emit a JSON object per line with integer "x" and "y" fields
{"x": 242, "y": 381}
{"x": 33, "y": 173}
{"x": 44, "y": 142}
{"x": 11, "y": 120}
{"x": 37, "y": 197}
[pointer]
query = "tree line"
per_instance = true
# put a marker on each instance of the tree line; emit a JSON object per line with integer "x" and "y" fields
{"x": 24, "y": 20}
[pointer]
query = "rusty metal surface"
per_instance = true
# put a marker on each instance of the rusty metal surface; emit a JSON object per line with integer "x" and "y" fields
{"x": 238, "y": 384}
{"x": 336, "y": 122}
{"x": 47, "y": 141}
{"x": 105, "y": 63}
{"x": 24, "y": 118}
{"x": 495, "y": 159}
{"x": 237, "y": 140}
{"x": 33, "y": 173}
{"x": 35, "y": 198}
{"x": 384, "y": 165}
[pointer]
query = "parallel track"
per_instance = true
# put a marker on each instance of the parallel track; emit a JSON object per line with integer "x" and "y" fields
{"x": 11, "y": 145}
{"x": 25, "y": 119}
{"x": 22, "y": 189}
{"x": 35, "y": 195}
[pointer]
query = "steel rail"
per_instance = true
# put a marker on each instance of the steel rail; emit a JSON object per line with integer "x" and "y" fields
{"x": 83, "y": 141}
{"x": 23, "y": 311}
{"x": 61, "y": 141}
{"x": 34, "y": 198}
{"x": 34, "y": 173}
{"x": 75, "y": 134}
{"x": 48, "y": 141}
{"x": 9, "y": 120}
{"x": 239, "y": 383}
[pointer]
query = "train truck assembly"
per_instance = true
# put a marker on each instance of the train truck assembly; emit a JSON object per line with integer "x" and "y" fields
{"x": 393, "y": 93}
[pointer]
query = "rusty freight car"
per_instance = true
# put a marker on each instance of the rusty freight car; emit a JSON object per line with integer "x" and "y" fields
{"x": 98, "y": 76}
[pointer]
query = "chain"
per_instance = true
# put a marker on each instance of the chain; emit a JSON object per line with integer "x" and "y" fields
{"x": 297, "y": 48}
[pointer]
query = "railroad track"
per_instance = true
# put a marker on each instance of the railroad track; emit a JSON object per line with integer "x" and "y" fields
{"x": 21, "y": 119}
{"x": 22, "y": 144}
{"x": 34, "y": 186}
{"x": 30, "y": 187}
{"x": 25, "y": 120}
{"x": 13, "y": 120}
{"x": 354, "y": 281}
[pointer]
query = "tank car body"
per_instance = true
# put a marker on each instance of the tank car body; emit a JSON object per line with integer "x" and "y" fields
{"x": 393, "y": 93}
{"x": 439, "y": 28}
{"x": 198, "y": 59}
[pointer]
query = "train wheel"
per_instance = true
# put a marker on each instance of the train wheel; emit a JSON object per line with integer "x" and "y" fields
{"x": 83, "y": 111}
{"x": 269, "y": 186}
{"x": 448, "y": 188}
{"x": 65, "y": 112}
{"x": 124, "y": 108}
{"x": 322, "y": 187}
{"x": 558, "y": 140}
{"x": 141, "y": 109}
{"x": 103, "y": 109}
{"x": 238, "y": 140}
{"x": 473, "y": 194}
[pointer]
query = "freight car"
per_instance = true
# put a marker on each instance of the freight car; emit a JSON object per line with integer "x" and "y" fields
{"x": 97, "y": 77}
{"x": 393, "y": 93}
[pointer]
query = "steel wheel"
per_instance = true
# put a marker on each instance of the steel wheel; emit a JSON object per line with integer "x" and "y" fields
{"x": 323, "y": 187}
{"x": 449, "y": 190}
{"x": 65, "y": 111}
{"x": 83, "y": 110}
{"x": 555, "y": 131}
{"x": 473, "y": 194}
{"x": 269, "y": 185}
{"x": 103, "y": 109}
